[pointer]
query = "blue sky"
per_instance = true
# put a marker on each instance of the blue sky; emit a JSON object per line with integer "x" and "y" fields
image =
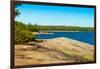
{"x": 56, "y": 15}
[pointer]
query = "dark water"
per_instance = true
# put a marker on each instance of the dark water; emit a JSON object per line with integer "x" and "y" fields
{"x": 87, "y": 37}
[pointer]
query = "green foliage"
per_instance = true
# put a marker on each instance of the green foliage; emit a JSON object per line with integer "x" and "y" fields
{"x": 37, "y": 28}
{"x": 20, "y": 25}
{"x": 64, "y": 28}
{"x": 17, "y": 13}
{"x": 32, "y": 28}
{"x": 22, "y": 35}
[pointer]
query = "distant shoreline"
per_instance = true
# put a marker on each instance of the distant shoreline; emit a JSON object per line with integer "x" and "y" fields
{"x": 64, "y": 31}
{"x": 70, "y": 31}
{"x": 51, "y": 32}
{"x": 41, "y": 33}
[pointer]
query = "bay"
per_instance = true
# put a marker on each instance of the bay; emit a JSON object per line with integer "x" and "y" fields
{"x": 87, "y": 37}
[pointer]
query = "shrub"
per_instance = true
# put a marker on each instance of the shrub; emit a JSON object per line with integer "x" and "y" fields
{"x": 22, "y": 35}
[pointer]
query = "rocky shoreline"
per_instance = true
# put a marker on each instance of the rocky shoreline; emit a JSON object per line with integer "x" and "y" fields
{"x": 41, "y": 33}
{"x": 57, "y": 50}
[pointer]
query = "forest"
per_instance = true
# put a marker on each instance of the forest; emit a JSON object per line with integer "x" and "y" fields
{"x": 47, "y": 28}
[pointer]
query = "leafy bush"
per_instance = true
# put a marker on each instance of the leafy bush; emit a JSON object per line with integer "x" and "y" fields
{"x": 32, "y": 28}
{"x": 22, "y": 35}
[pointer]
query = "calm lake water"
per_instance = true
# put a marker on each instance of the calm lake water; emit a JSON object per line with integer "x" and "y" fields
{"x": 87, "y": 37}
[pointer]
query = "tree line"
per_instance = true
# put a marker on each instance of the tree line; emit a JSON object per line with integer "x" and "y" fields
{"x": 63, "y": 28}
{"x": 38, "y": 28}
